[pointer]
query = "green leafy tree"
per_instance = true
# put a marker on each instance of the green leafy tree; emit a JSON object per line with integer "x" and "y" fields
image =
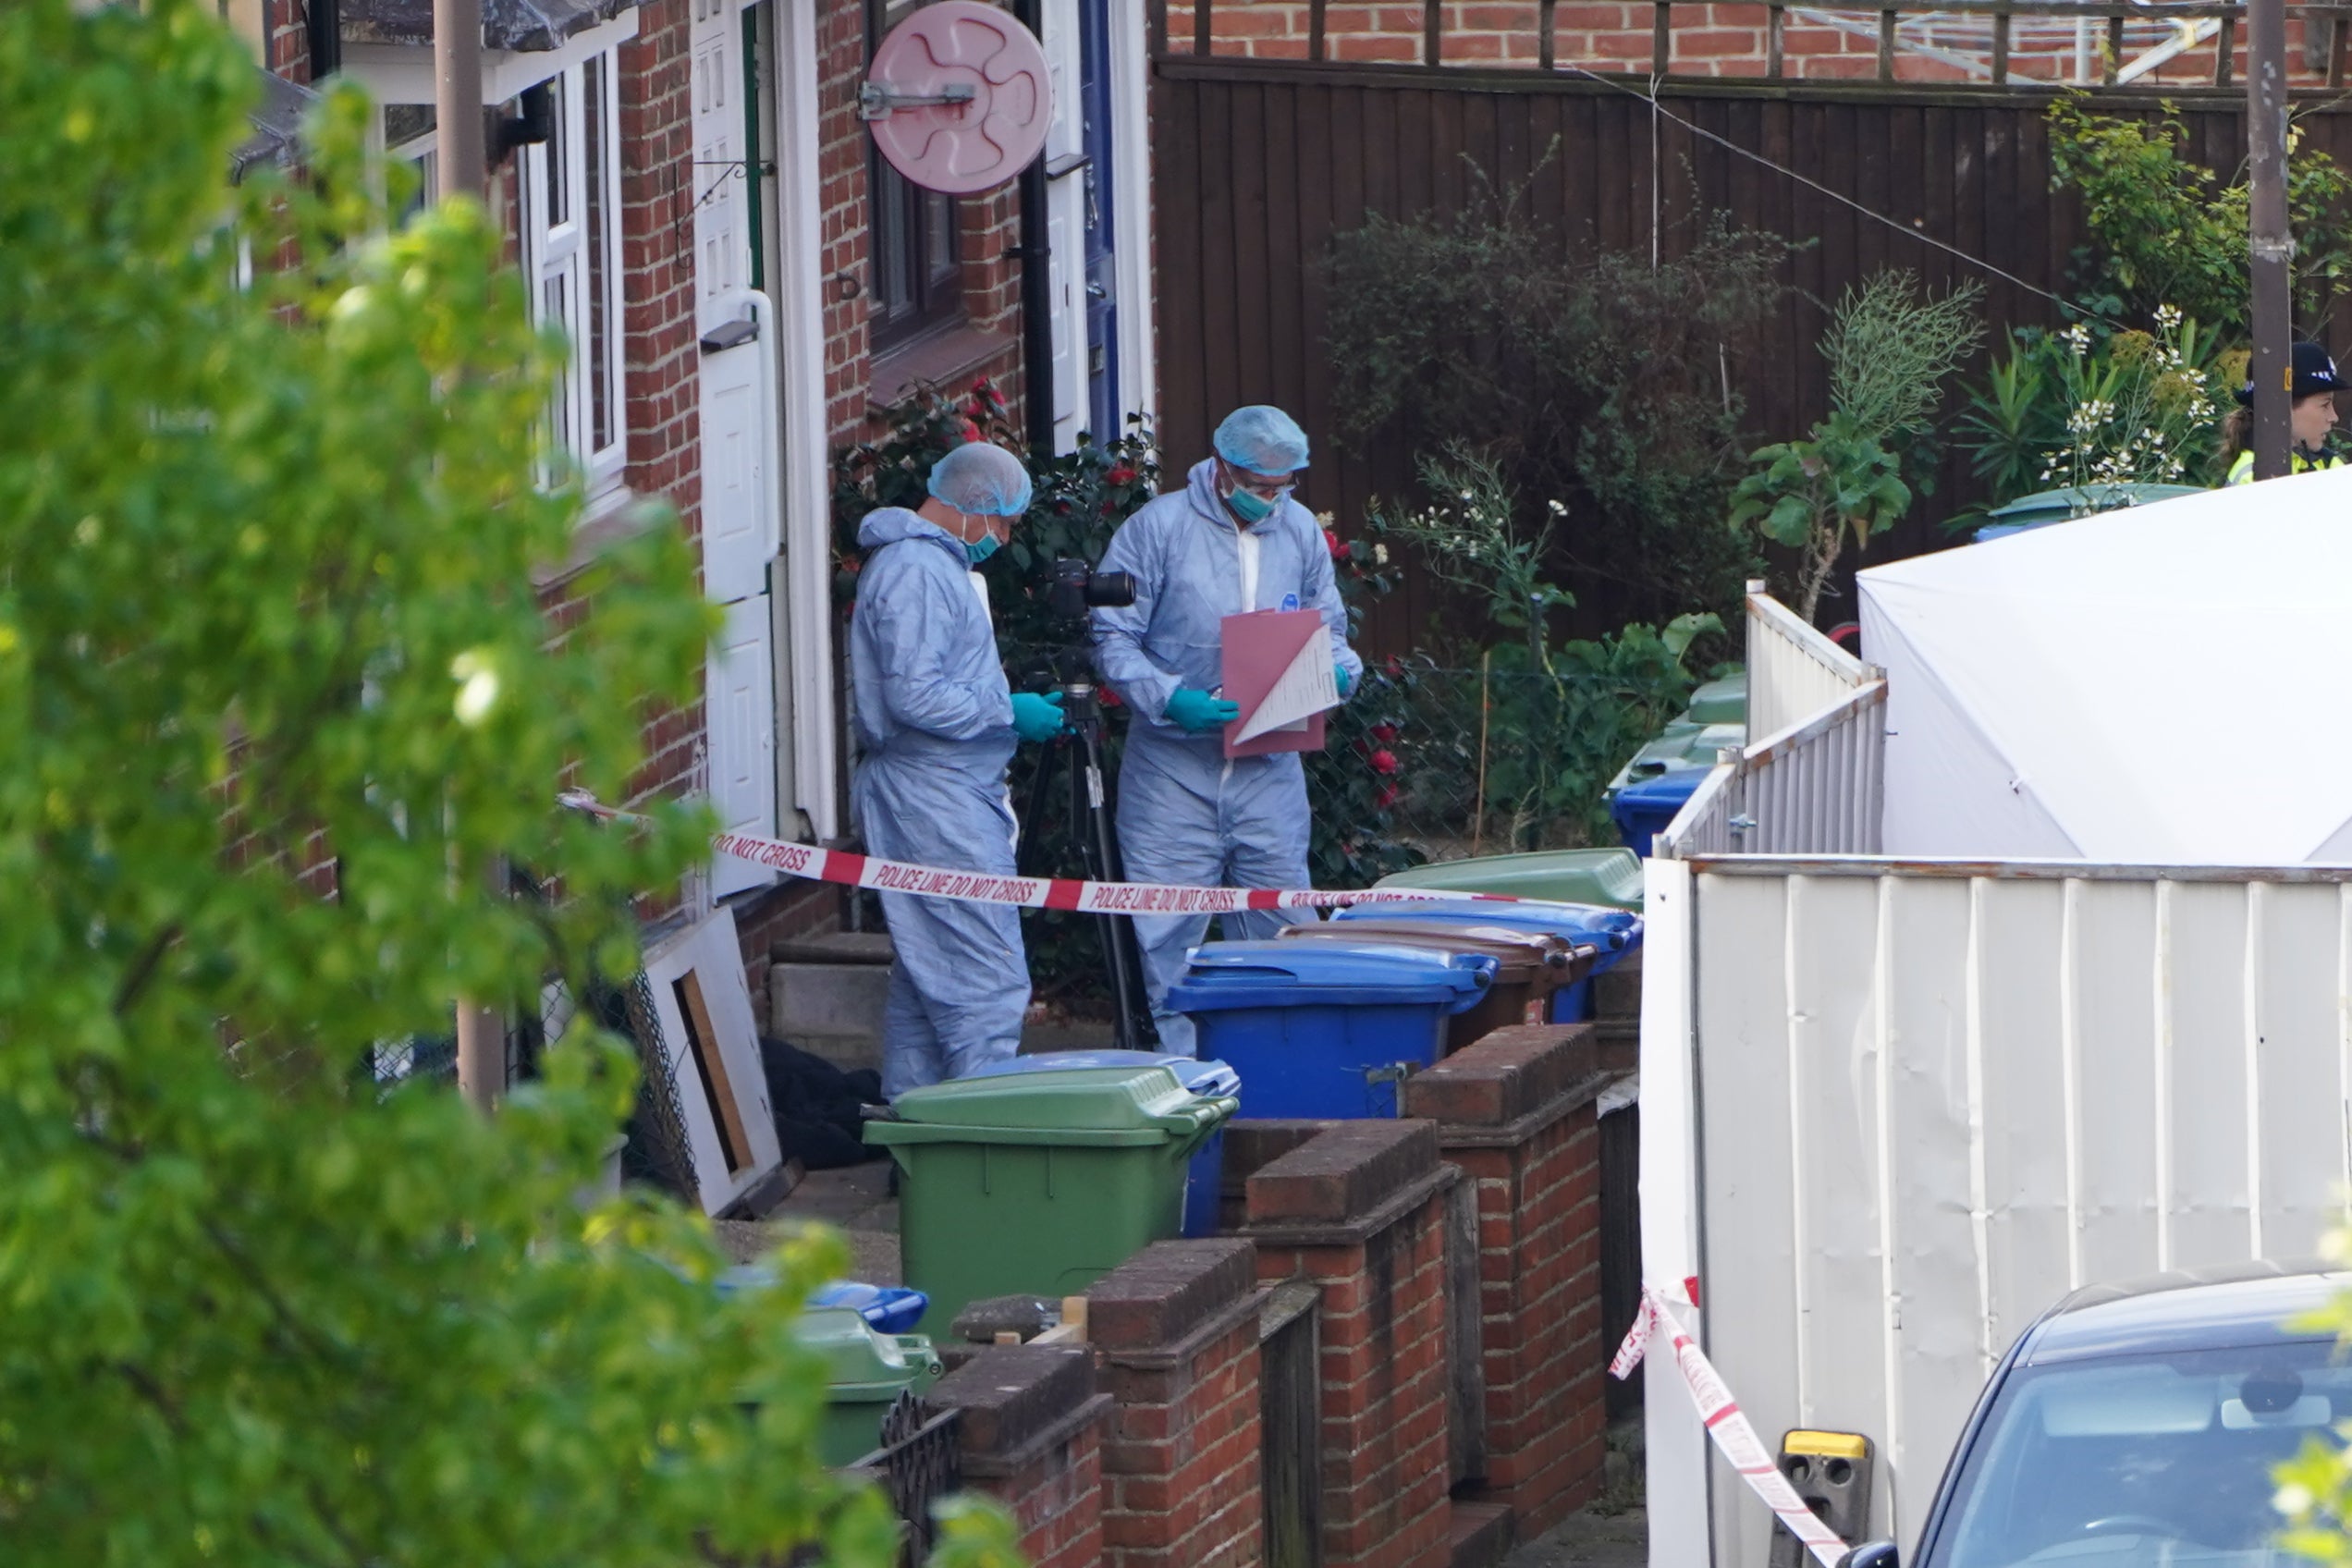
{"x": 2168, "y": 232}
{"x": 1891, "y": 348}
{"x": 266, "y": 609}
{"x": 1810, "y": 494}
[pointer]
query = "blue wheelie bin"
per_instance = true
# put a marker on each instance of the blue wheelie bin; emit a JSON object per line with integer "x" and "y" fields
{"x": 1213, "y": 1079}
{"x": 1323, "y": 1030}
{"x": 1645, "y": 808}
{"x": 1611, "y": 932}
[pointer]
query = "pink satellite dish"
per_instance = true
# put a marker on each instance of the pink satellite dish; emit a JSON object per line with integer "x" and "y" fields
{"x": 958, "y": 98}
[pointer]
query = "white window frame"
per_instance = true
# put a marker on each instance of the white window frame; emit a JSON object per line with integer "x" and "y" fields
{"x": 556, "y": 256}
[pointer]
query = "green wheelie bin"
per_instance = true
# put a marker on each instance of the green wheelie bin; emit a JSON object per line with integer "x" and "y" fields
{"x": 1039, "y": 1183}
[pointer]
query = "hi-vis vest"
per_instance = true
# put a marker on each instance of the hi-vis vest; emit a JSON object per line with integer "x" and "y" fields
{"x": 2242, "y": 470}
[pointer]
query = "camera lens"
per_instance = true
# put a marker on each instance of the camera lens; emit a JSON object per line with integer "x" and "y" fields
{"x": 1111, "y": 590}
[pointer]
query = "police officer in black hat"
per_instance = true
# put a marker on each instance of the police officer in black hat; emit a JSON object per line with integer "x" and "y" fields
{"x": 2315, "y": 386}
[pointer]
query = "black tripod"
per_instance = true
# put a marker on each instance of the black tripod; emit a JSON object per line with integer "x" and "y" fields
{"x": 1079, "y": 751}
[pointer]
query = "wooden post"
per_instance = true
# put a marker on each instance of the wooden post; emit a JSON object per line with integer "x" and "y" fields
{"x": 1999, "y": 46}
{"x": 2335, "y": 49}
{"x": 1315, "y": 23}
{"x": 2114, "y": 48}
{"x": 1432, "y": 27}
{"x": 1662, "y": 38}
{"x": 2224, "y": 41}
{"x": 2270, "y": 243}
{"x": 1203, "y": 27}
{"x": 1547, "y": 33}
{"x": 1775, "y": 24}
{"x": 1886, "y": 45}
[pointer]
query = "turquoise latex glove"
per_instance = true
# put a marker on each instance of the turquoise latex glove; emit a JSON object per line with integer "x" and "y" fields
{"x": 1036, "y": 717}
{"x": 1196, "y": 712}
{"x": 1347, "y": 681}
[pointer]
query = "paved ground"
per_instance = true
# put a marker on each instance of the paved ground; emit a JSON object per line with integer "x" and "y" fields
{"x": 856, "y": 1200}
{"x": 1589, "y": 1540}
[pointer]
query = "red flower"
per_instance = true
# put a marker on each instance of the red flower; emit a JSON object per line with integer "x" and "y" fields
{"x": 1332, "y": 543}
{"x": 1395, "y": 668}
{"x": 1384, "y": 733}
{"x": 1385, "y": 798}
{"x": 1109, "y": 698}
{"x": 1383, "y": 761}
{"x": 986, "y": 392}
{"x": 1121, "y": 474}
{"x": 971, "y": 431}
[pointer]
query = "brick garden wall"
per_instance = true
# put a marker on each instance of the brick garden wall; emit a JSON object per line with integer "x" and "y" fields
{"x": 1360, "y": 1211}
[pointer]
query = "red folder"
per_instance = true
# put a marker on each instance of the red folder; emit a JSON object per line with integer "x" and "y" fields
{"x": 1257, "y": 648}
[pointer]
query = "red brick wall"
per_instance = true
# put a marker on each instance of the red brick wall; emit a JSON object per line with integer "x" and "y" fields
{"x": 1515, "y": 1113}
{"x": 1360, "y": 1210}
{"x": 1709, "y": 39}
{"x": 1056, "y": 1500}
{"x": 1031, "y": 1435}
{"x": 989, "y": 231}
{"x": 1176, "y": 1327}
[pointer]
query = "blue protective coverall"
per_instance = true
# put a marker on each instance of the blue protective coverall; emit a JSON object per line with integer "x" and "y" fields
{"x": 933, "y": 732}
{"x": 1187, "y": 815}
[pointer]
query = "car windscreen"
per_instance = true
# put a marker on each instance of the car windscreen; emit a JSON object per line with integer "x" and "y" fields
{"x": 2130, "y": 1460}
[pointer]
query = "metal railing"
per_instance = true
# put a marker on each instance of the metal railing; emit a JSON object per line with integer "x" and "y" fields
{"x": 1792, "y": 671}
{"x": 1815, "y": 784}
{"x": 2195, "y": 24}
{"x": 1816, "y": 789}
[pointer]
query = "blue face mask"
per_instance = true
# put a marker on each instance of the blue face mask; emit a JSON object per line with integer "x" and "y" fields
{"x": 982, "y": 548}
{"x": 1253, "y": 508}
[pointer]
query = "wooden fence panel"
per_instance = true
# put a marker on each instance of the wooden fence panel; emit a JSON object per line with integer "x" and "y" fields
{"x": 1258, "y": 164}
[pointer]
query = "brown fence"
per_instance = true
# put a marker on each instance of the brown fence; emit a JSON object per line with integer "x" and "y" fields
{"x": 1258, "y": 163}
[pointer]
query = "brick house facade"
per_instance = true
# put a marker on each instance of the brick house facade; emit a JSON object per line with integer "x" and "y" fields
{"x": 709, "y": 152}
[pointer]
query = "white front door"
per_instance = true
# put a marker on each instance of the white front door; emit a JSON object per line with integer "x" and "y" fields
{"x": 1066, "y": 224}
{"x": 741, "y": 702}
{"x": 739, "y": 431}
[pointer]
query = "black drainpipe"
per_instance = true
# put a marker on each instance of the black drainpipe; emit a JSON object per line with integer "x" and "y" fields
{"x": 327, "y": 38}
{"x": 1036, "y": 278}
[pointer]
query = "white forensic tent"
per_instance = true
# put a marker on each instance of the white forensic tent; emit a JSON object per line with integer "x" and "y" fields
{"x": 2159, "y": 685}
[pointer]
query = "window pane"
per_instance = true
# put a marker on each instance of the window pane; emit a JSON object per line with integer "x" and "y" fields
{"x": 596, "y": 354}
{"x": 559, "y": 157}
{"x": 940, "y": 221}
{"x": 553, "y": 300}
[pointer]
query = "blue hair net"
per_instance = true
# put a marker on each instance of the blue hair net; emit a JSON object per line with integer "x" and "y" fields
{"x": 983, "y": 479}
{"x": 1262, "y": 439}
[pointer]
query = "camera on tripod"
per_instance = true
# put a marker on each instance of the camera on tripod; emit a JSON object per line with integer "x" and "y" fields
{"x": 1073, "y": 588}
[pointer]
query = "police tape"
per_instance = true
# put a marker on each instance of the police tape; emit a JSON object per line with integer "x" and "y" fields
{"x": 1726, "y": 1425}
{"x": 841, "y": 866}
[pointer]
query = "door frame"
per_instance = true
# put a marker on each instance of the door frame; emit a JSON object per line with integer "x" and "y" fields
{"x": 796, "y": 287}
{"x": 1131, "y": 207}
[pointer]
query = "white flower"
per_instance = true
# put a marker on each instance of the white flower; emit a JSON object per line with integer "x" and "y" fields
{"x": 2168, "y": 316}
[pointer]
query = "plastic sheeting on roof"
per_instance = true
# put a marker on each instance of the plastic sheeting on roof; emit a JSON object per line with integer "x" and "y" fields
{"x": 2160, "y": 685}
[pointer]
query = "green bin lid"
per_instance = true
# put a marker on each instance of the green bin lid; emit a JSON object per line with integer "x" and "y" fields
{"x": 1720, "y": 702}
{"x": 859, "y": 1357}
{"x": 1612, "y": 877}
{"x": 1102, "y": 1105}
{"x": 2057, "y": 506}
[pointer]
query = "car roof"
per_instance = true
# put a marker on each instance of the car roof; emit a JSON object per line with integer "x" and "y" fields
{"x": 2250, "y": 1303}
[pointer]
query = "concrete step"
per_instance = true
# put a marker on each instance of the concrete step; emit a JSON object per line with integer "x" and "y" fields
{"x": 833, "y": 947}
{"x": 826, "y": 999}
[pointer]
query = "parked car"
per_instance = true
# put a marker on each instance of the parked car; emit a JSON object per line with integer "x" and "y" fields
{"x": 2139, "y": 1424}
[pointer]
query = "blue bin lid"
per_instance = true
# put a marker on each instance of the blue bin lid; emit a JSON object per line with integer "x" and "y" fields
{"x": 1591, "y": 926}
{"x": 1202, "y": 1077}
{"x": 1251, "y": 975}
{"x": 1663, "y": 790}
